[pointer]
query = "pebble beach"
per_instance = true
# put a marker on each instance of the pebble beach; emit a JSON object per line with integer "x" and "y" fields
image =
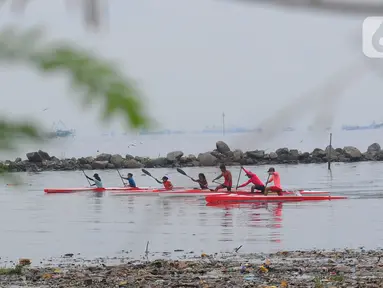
{"x": 314, "y": 268}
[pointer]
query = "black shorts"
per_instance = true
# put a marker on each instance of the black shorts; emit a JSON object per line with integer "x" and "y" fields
{"x": 224, "y": 186}
{"x": 259, "y": 188}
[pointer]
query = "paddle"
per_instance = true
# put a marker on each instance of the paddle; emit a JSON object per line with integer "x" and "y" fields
{"x": 123, "y": 182}
{"x": 268, "y": 177}
{"x": 86, "y": 178}
{"x": 150, "y": 175}
{"x": 239, "y": 176}
{"x": 184, "y": 173}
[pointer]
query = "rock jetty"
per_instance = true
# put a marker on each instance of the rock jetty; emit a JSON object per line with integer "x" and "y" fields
{"x": 347, "y": 268}
{"x": 42, "y": 161}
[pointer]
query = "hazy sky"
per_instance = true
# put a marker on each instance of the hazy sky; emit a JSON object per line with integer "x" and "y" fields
{"x": 195, "y": 59}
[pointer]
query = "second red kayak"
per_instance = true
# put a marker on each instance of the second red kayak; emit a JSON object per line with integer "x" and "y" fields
{"x": 236, "y": 198}
{"x": 199, "y": 192}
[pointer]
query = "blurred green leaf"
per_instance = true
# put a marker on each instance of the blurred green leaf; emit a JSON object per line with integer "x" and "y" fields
{"x": 96, "y": 79}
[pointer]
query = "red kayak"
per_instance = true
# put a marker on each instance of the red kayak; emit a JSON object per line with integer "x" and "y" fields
{"x": 236, "y": 198}
{"x": 95, "y": 189}
{"x": 206, "y": 192}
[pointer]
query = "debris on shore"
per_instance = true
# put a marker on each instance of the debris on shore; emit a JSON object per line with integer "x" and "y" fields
{"x": 316, "y": 268}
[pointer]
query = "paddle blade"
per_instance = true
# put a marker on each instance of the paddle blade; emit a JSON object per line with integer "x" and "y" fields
{"x": 146, "y": 172}
{"x": 181, "y": 171}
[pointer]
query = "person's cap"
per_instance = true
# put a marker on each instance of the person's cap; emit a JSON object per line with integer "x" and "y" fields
{"x": 95, "y": 174}
{"x": 222, "y": 166}
{"x": 271, "y": 169}
{"x": 165, "y": 177}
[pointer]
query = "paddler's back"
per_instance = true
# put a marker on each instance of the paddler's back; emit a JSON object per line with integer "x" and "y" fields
{"x": 98, "y": 183}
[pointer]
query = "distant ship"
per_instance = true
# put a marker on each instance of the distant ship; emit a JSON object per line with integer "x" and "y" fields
{"x": 161, "y": 132}
{"x": 227, "y": 130}
{"x": 60, "y": 132}
{"x": 288, "y": 129}
{"x": 373, "y": 125}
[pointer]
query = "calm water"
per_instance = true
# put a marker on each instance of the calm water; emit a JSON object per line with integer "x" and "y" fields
{"x": 36, "y": 225}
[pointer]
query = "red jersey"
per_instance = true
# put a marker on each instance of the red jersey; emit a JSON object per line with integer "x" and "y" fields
{"x": 253, "y": 179}
{"x": 168, "y": 185}
{"x": 228, "y": 179}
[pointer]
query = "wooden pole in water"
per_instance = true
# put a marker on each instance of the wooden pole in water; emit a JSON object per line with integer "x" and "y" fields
{"x": 329, "y": 154}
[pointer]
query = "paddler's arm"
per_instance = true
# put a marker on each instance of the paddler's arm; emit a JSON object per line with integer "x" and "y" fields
{"x": 270, "y": 180}
{"x": 158, "y": 181}
{"x": 216, "y": 178}
{"x": 244, "y": 170}
{"x": 244, "y": 184}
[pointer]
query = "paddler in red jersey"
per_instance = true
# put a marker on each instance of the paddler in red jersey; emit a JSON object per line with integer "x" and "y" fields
{"x": 277, "y": 182}
{"x": 226, "y": 174}
{"x": 167, "y": 184}
{"x": 253, "y": 178}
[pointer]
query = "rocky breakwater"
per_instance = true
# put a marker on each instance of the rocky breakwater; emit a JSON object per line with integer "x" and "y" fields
{"x": 42, "y": 161}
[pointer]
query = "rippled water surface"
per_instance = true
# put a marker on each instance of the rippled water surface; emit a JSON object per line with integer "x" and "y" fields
{"x": 36, "y": 225}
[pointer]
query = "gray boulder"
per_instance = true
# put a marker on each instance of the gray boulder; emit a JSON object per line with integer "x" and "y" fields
{"x": 282, "y": 151}
{"x": 86, "y": 167}
{"x": 132, "y": 164}
{"x": 206, "y": 159}
{"x": 294, "y": 155}
{"x": 103, "y": 157}
{"x": 82, "y": 161}
{"x": 222, "y": 147}
{"x": 192, "y": 157}
{"x": 116, "y": 160}
{"x": 174, "y": 156}
{"x": 257, "y": 154}
{"x": 237, "y": 155}
{"x": 44, "y": 155}
{"x": 273, "y": 155}
{"x": 352, "y": 153}
{"x": 161, "y": 161}
{"x": 319, "y": 153}
{"x": 98, "y": 165}
{"x": 374, "y": 148}
{"x": 129, "y": 157}
{"x": 38, "y": 156}
{"x": 333, "y": 151}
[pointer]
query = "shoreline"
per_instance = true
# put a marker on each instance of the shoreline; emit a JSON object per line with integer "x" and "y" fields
{"x": 41, "y": 161}
{"x": 312, "y": 268}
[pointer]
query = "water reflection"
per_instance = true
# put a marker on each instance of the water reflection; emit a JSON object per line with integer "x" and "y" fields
{"x": 255, "y": 217}
{"x": 166, "y": 209}
{"x": 131, "y": 204}
{"x": 97, "y": 203}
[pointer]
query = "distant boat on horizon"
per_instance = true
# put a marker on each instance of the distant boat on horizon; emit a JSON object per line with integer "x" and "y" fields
{"x": 60, "y": 132}
{"x": 227, "y": 130}
{"x": 373, "y": 125}
{"x": 160, "y": 132}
